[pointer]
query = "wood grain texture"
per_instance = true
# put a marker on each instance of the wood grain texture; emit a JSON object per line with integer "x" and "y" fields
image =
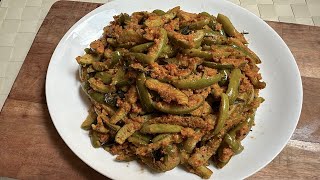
{"x": 32, "y": 149}
{"x": 304, "y": 43}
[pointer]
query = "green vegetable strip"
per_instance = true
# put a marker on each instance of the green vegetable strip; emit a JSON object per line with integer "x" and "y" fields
{"x": 227, "y": 25}
{"x": 160, "y": 128}
{"x": 172, "y": 48}
{"x": 125, "y": 132}
{"x": 95, "y": 139}
{"x": 160, "y": 137}
{"x": 233, "y": 143}
{"x": 234, "y": 83}
{"x": 223, "y": 113}
{"x": 198, "y": 53}
{"x": 196, "y": 102}
{"x": 141, "y": 136}
{"x": 203, "y": 172}
{"x": 91, "y": 118}
{"x": 187, "y": 41}
{"x": 196, "y": 83}
{"x": 154, "y": 50}
{"x": 229, "y": 28}
{"x": 196, "y": 25}
{"x": 136, "y": 141}
{"x": 191, "y": 142}
{"x": 142, "y": 47}
{"x": 119, "y": 115}
{"x": 105, "y": 77}
{"x": 217, "y": 65}
{"x": 203, "y": 154}
{"x": 97, "y": 97}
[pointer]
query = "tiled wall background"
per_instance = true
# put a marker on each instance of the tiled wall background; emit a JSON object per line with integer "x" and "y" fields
{"x": 21, "y": 19}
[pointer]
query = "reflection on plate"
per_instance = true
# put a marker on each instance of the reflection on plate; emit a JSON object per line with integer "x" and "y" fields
{"x": 276, "y": 119}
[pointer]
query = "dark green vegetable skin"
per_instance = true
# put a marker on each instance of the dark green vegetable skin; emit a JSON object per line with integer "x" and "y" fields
{"x": 151, "y": 56}
{"x": 196, "y": 83}
{"x": 233, "y": 87}
{"x": 223, "y": 113}
{"x": 143, "y": 93}
{"x": 153, "y": 90}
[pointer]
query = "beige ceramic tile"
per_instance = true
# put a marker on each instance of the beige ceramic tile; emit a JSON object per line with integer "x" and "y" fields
{"x": 300, "y": 10}
{"x": 7, "y": 39}
{"x": 31, "y": 13}
{"x": 2, "y": 100}
{"x": 13, "y": 69}
{"x": 3, "y": 67}
{"x": 298, "y": 2}
{"x": 7, "y": 85}
{"x": 39, "y": 24}
{"x": 287, "y": 19}
{"x": 252, "y": 8}
{"x": 24, "y": 39}
{"x": 44, "y": 11}
{"x": 248, "y": 2}
{"x": 283, "y": 10}
{"x": 2, "y": 82}
{"x": 4, "y": 3}
{"x": 19, "y": 53}
{"x": 13, "y": 3}
{"x": 267, "y": 11}
{"x": 271, "y": 19}
{"x": 281, "y": 1}
{"x": 313, "y": 2}
{"x": 28, "y": 26}
{"x": 264, "y": 1}
{"x": 2, "y": 79}
{"x": 235, "y": 1}
{"x": 14, "y": 13}
{"x": 34, "y": 3}
{"x": 17, "y": 59}
{"x": 289, "y": 2}
{"x": 306, "y": 21}
{"x": 316, "y": 20}
{"x": 314, "y": 9}
{"x": 47, "y": 3}
{"x": 3, "y": 12}
{"x": 6, "y": 53}
{"x": 9, "y": 26}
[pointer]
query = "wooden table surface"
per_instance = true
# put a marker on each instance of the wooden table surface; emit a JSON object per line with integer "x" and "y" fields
{"x": 32, "y": 149}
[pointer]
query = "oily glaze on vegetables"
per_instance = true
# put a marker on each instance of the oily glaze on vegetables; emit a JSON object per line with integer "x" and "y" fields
{"x": 171, "y": 88}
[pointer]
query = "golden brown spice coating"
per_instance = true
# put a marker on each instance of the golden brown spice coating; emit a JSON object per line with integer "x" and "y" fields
{"x": 177, "y": 127}
{"x": 186, "y": 121}
{"x": 167, "y": 92}
{"x": 226, "y": 154}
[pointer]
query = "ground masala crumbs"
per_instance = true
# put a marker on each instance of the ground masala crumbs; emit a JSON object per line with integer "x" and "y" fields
{"x": 171, "y": 89}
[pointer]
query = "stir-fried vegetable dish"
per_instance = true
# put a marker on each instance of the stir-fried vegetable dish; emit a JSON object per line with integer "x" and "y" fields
{"x": 171, "y": 88}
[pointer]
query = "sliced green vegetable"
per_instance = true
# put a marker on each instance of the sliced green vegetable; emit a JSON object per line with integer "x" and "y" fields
{"x": 234, "y": 83}
{"x": 223, "y": 113}
{"x": 194, "y": 102}
{"x": 196, "y": 83}
{"x": 144, "y": 96}
{"x": 125, "y": 132}
{"x": 160, "y": 128}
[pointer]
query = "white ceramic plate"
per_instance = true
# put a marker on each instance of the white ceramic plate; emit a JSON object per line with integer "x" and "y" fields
{"x": 276, "y": 119}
